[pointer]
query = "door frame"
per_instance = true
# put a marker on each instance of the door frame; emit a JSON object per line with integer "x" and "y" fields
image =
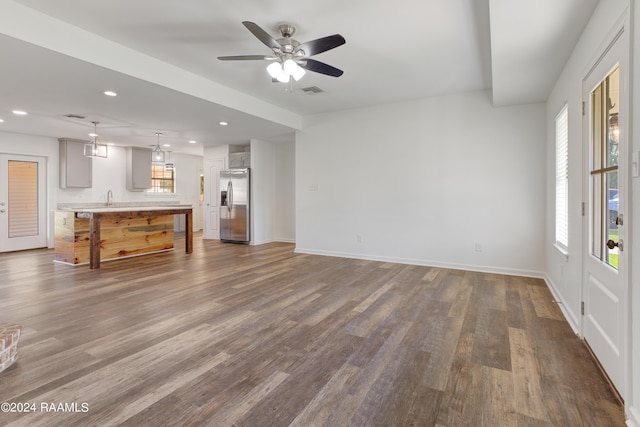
{"x": 618, "y": 39}
{"x": 43, "y": 226}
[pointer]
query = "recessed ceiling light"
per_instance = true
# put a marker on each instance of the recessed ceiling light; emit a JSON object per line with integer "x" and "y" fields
{"x": 192, "y": 142}
{"x": 93, "y": 134}
{"x": 223, "y": 123}
{"x": 166, "y": 145}
{"x": 1, "y": 121}
{"x": 110, "y": 93}
{"x": 19, "y": 112}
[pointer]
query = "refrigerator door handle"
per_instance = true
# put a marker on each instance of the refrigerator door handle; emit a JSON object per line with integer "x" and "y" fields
{"x": 229, "y": 196}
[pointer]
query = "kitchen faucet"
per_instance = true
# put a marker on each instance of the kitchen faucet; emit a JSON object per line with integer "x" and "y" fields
{"x": 109, "y": 198}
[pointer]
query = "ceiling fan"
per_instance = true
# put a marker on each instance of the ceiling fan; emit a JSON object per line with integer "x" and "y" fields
{"x": 290, "y": 57}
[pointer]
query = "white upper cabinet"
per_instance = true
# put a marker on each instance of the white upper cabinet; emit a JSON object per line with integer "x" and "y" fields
{"x": 138, "y": 169}
{"x": 75, "y": 168}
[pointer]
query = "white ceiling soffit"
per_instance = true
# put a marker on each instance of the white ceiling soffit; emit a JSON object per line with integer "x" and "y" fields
{"x": 58, "y": 54}
{"x": 531, "y": 42}
{"x": 394, "y": 50}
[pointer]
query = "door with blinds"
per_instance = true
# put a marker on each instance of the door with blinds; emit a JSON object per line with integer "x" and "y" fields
{"x": 23, "y": 210}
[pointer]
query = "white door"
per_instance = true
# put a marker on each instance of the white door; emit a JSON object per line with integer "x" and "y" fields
{"x": 212, "y": 168}
{"x": 605, "y": 276}
{"x": 23, "y": 202}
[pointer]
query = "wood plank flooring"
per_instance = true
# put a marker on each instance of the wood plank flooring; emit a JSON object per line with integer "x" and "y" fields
{"x": 234, "y": 335}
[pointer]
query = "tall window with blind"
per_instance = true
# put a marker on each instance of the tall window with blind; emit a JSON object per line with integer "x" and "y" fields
{"x": 562, "y": 179}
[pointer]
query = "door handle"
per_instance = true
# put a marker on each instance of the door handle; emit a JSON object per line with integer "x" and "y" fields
{"x": 611, "y": 244}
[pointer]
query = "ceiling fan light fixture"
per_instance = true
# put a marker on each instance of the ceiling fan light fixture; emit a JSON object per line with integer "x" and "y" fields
{"x": 298, "y": 73}
{"x": 290, "y": 66}
{"x": 283, "y": 77}
{"x": 274, "y": 69}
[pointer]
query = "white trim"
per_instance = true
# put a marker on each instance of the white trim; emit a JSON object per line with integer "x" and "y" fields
{"x": 274, "y": 240}
{"x": 634, "y": 417}
{"x": 568, "y": 314}
{"x": 284, "y": 240}
{"x": 562, "y": 252}
{"x": 427, "y": 263}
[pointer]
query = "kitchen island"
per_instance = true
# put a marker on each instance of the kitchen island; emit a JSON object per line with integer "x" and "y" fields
{"x": 94, "y": 234}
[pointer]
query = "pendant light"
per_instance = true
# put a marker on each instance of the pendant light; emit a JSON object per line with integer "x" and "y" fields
{"x": 95, "y": 148}
{"x": 169, "y": 166}
{"x": 158, "y": 155}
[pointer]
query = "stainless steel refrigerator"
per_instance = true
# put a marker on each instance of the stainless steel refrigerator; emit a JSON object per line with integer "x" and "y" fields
{"x": 235, "y": 187}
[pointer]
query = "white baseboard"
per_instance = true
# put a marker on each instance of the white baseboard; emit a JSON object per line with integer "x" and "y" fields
{"x": 568, "y": 314}
{"x": 284, "y": 240}
{"x": 279, "y": 240}
{"x": 427, "y": 263}
{"x": 634, "y": 417}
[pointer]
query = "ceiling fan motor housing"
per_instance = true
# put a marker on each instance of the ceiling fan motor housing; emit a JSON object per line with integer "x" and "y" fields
{"x": 287, "y": 30}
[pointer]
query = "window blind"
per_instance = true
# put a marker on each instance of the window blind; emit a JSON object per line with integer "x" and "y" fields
{"x": 562, "y": 178}
{"x": 23, "y": 198}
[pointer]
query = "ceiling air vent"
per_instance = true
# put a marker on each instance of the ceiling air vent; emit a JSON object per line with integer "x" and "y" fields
{"x": 75, "y": 116}
{"x": 312, "y": 90}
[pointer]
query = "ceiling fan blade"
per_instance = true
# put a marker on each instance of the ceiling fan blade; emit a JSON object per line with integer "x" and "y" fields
{"x": 244, "y": 58}
{"x": 261, "y": 34}
{"x": 323, "y": 44}
{"x": 320, "y": 67}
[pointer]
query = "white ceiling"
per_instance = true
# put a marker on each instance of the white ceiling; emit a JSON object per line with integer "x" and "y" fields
{"x": 160, "y": 57}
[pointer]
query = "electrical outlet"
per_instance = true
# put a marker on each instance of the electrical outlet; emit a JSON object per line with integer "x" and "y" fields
{"x": 359, "y": 238}
{"x": 478, "y": 247}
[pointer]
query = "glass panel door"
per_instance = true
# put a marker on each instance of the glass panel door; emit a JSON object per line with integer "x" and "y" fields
{"x": 605, "y": 278}
{"x": 22, "y": 202}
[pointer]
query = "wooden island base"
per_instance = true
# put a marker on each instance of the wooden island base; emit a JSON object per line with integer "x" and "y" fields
{"x": 91, "y": 237}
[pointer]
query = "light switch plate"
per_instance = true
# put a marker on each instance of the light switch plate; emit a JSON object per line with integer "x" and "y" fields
{"x": 635, "y": 164}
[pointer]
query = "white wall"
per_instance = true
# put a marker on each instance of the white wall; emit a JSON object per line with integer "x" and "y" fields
{"x": 564, "y": 274}
{"x": 273, "y": 191}
{"x": 108, "y": 174}
{"x": 262, "y": 192}
{"x": 448, "y": 181}
{"x": 285, "y": 194}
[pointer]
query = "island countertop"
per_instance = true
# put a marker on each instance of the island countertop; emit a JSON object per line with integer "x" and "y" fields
{"x": 103, "y": 208}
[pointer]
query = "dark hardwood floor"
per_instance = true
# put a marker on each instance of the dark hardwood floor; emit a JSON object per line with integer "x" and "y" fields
{"x": 235, "y": 335}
